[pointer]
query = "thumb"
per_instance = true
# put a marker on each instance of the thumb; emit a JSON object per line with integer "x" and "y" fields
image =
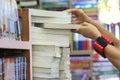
{"x": 85, "y": 24}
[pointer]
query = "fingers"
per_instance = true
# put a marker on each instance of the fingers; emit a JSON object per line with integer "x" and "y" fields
{"x": 86, "y": 24}
{"x": 75, "y": 22}
{"x": 76, "y": 12}
{"x": 70, "y": 10}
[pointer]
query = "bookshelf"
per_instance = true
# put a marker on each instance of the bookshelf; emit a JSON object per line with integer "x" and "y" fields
{"x": 12, "y": 47}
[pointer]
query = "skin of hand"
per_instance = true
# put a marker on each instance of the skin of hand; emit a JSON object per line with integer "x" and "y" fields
{"x": 79, "y": 15}
{"x": 88, "y": 30}
{"x": 93, "y": 30}
{"x": 82, "y": 17}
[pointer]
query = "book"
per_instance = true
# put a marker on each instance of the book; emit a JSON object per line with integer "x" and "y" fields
{"x": 45, "y": 59}
{"x": 45, "y": 70}
{"x": 42, "y": 30}
{"x": 46, "y": 75}
{"x": 37, "y": 78}
{"x": 50, "y": 42}
{"x": 46, "y": 50}
{"x": 1, "y": 69}
{"x": 58, "y": 26}
{"x": 39, "y": 53}
{"x": 46, "y": 65}
{"x": 50, "y": 37}
{"x": 31, "y": 3}
{"x": 41, "y": 19}
{"x": 46, "y": 39}
{"x": 47, "y": 13}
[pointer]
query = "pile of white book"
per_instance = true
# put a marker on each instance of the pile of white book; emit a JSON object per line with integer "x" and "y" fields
{"x": 51, "y": 44}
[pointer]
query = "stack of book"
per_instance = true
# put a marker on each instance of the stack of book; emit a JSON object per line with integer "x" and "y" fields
{"x": 46, "y": 60}
{"x": 51, "y": 44}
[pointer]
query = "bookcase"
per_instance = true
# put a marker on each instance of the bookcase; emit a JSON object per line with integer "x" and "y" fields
{"x": 26, "y": 41}
{"x": 13, "y": 47}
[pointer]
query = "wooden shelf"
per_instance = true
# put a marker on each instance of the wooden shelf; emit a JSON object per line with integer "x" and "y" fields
{"x": 12, "y": 44}
{"x": 81, "y": 52}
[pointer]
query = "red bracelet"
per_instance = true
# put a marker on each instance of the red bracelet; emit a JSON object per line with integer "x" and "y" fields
{"x": 101, "y": 43}
{"x": 100, "y": 48}
{"x": 107, "y": 39}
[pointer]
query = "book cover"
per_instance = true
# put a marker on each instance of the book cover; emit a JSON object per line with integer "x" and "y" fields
{"x": 45, "y": 70}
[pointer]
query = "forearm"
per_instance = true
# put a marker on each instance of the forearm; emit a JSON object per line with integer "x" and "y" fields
{"x": 113, "y": 54}
{"x": 103, "y": 31}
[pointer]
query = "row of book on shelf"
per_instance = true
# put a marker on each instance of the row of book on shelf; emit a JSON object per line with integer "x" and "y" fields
{"x": 80, "y": 67}
{"x": 13, "y": 68}
{"x": 9, "y": 20}
{"x": 103, "y": 68}
{"x": 82, "y": 43}
{"x": 54, "y": 5}
{"x": 92, "y": 67}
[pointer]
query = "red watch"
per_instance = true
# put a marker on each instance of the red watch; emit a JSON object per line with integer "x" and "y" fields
{"x": 100, "y": 44}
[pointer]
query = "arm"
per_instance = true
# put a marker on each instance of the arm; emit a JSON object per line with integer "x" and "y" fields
{"x": 111, "y": 52}
{"x": 103, "y": 31}
{"x": 82, "y": 17}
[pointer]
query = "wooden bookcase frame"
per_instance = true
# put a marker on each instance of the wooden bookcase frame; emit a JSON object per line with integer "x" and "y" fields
{"x": 26, "y": 36}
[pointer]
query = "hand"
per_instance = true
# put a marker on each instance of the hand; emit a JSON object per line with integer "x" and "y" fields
{"x": 88, "y": 30}
{"x": 79, "y": 16}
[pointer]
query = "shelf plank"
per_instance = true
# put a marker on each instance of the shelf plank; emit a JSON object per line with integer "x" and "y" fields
{"x": 12, "y": 44}
{"x": 81, "y": 52}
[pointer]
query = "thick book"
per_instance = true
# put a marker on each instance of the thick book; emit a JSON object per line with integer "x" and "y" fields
{"x": 40, "y": 30}
{"x": 45, "y": 70}
{"x": 58, "y": 26}
{"x": 50, "y": 37}
{"x": 47, "y": 13}
{"x": 48, "y": 59}
{"x": 50, "y": 42}
{"x": 46, "y": 50}
{"x": 46, "y": 65}
{"x": 37, "y": 78}
{"x": 31, "y": 3}
{"x": 46, "y": 16}
{"x": 45, "y": 75}
{"x": 41, "y": 19}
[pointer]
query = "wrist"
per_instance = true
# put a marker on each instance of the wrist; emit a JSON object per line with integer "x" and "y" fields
{"x": 100, "y": 43}
{"x": 96, "y": 36}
